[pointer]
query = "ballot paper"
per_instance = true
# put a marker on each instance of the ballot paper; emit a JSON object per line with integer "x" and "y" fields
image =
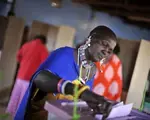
{"x": 118, "y": 110}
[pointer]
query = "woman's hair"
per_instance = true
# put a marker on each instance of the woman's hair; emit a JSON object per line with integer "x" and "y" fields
{"x": 102, "y": 33}
{"x": 117, "y": 49}
{"x": 41, "y": 37}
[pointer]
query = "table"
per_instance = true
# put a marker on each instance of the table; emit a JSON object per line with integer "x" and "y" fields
{"x": 58, "y": 112}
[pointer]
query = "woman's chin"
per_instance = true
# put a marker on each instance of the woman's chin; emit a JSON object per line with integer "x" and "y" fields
{"x": 96, "y": 60}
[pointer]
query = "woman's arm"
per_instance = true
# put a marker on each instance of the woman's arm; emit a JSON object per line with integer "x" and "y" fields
{"x": 48, "y": 82}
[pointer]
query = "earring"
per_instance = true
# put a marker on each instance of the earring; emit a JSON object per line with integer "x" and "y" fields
{"x": 88, "y": 41}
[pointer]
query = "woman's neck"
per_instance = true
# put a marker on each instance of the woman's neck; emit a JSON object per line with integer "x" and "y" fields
{"x": 78, "y": 57}
{"x": 87, "y": 55}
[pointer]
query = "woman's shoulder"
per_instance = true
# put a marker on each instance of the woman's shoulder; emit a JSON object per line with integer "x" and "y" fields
{"x": 62, "y": 54}
{"x": 63, "y": 51}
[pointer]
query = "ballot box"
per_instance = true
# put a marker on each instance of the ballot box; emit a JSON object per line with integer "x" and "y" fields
{"x": 58, "y": 110}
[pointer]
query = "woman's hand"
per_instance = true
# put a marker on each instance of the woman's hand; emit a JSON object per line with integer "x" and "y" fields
{"x": 97, "y": 103}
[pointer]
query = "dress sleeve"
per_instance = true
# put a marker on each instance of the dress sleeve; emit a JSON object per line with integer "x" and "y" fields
{"x": 59, "y": 63}
{"x": 19, "y": 54}
{"x": 44, "y": 54}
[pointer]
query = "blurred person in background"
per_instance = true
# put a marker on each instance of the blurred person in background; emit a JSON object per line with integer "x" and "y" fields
{"x": 30, "y": 56}
{"x": 108, "y": 79}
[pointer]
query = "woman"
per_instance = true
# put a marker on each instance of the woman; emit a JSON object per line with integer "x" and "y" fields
{"x": 75, "y": 65}
{"x": 30, "y": 56}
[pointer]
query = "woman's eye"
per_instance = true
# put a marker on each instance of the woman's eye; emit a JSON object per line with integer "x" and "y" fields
{"x": 105, "y": 43}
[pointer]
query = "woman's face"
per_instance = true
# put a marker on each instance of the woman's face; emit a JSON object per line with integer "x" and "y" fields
{"x": 101, "y": 49}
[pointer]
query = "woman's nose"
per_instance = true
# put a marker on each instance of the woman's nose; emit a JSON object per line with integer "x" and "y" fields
{"x": 106, "y": 52}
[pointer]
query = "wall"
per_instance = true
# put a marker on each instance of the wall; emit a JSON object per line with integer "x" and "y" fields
{"x": 76, "y": 16}
{"x": 12, "y": 42}
{"x": 3, "y": 26}
{"x": 140, "y": 75}
{"x": 128, "y": 53}
{"x": 4, "y": 8}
